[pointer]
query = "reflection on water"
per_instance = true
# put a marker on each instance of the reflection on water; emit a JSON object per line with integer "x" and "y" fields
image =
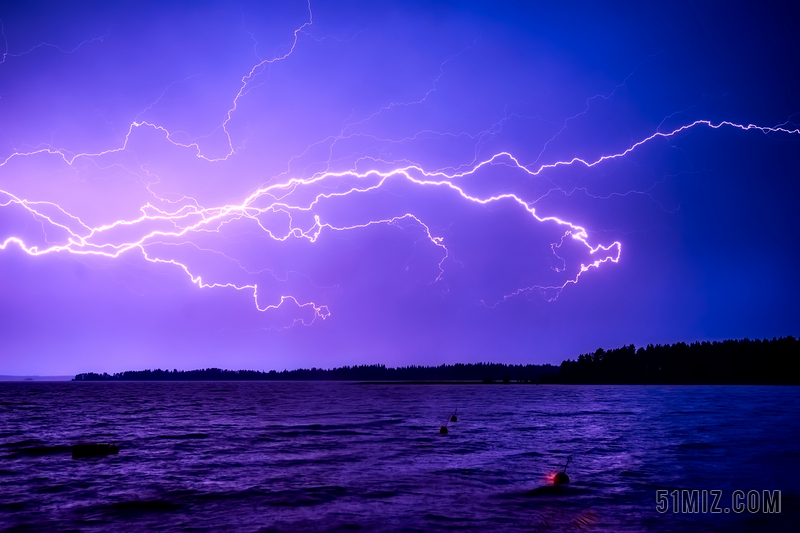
{"x": 334, "y": 456}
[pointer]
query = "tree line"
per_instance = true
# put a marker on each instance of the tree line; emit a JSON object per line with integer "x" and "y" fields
{"x": 456, "y": 372}
{"x": 728, "y": 362}
{"x": 733, "y": 361}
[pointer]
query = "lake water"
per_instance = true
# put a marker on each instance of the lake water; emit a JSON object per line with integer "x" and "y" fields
{"x": 316, "y": 456}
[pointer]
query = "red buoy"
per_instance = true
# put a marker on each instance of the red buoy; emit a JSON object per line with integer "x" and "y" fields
{"x": 562, "y": 478}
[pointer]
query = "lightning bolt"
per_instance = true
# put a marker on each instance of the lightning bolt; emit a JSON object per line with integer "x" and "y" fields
{"x": 43, "y": 44}
{"x": 296, "y": 201}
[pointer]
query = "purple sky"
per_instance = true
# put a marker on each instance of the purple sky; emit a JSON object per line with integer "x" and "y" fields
{"x": 251, "y": 186}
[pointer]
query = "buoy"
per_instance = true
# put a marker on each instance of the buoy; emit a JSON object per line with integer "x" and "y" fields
{"x": 93, "y": 450}
{"x": 562, "y": 478}
{"x": 454, "y": 418}
{"x": 443, "y": 430}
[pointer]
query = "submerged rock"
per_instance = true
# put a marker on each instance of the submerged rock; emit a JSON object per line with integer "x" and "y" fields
{"x": 93, "y": 450}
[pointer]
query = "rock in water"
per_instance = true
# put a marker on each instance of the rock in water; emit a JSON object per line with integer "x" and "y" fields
{"x": 93, "y": 450}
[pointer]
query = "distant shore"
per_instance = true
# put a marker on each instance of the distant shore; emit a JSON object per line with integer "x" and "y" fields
{"x": 731, "y": 362}
{"x": 37, "y": 378}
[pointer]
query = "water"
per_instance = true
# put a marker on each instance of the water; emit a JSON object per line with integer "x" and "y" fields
{"x": 261, "y": 456}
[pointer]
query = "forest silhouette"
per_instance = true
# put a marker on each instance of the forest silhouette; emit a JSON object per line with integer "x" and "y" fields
{"x": 728, "y": 362}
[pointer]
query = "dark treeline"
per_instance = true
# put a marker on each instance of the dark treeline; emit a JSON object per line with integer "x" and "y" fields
{"x": 734, "y": 362}
{"x": 456, "y": 372}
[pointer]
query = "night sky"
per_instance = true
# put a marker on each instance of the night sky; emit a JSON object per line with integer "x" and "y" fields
{"x": 280, "y": 185}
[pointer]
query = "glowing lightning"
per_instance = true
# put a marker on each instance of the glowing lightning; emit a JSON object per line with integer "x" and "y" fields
{"x": 85, "y": 240}
{"x": 181, "y": 221}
